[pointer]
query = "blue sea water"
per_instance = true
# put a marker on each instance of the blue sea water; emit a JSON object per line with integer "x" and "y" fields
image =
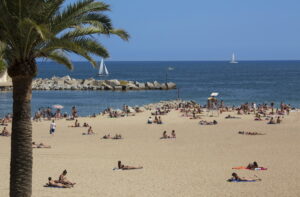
{"x": 247, "y": 81}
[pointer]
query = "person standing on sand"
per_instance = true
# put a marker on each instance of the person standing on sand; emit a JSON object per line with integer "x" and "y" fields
{"x": 52, "y": 127}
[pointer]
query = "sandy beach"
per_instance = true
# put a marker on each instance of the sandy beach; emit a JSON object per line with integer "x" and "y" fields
{"x": 197, "y": 163}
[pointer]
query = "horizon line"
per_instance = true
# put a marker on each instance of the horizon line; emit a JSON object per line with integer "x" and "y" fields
{"x": 181, "y": 60}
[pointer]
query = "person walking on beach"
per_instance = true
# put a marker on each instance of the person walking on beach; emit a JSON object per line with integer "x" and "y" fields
{"x": 52, "y": 127}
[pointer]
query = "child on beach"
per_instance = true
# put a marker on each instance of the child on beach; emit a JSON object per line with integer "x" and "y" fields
{"x": 52, "y": 127}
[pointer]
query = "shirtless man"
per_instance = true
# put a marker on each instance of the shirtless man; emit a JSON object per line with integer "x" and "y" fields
{"x": 63, "y": 179}
{"x": 55, "y": 184}
{"x": 123, "y": 167}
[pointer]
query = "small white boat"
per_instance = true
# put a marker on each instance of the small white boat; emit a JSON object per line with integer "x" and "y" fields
{"x": 233, "y": 59}
{"x": 170, "y": 68}
{"x": 102, "y": 69}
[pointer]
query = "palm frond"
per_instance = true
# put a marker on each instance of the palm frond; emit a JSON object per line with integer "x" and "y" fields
{"x": 61, "y": 58}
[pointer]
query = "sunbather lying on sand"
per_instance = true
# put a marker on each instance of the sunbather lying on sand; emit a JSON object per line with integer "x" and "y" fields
{"x": 106, "y": 136}
{"x": 40, "y": 145}
{"x": 165, "y": 136}
{"x": 117, "y": 137}
{"x": 5, "y": 132}
{"x": 63, "y": 179}
{"x": 204, "y": 122}
{"x": 235, "y": 177}
{"x": 123, "y": 167}
{"x": 232, "y": 117}
{"x": 250, "y": 133}
{"x": 52, "y": 183}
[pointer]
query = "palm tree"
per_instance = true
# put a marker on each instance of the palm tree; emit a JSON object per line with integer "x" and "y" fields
{"x": 33, "y": 29}
{"x": 3, "y": 64}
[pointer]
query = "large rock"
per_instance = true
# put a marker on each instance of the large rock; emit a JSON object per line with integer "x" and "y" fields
{"x": 112, "y": 82}
{"x": 156, "y": 85}
{"x": 141, "y": 86}
{"x": 163, "y": 86}
{"x": 87, "y": 82}
{"x": 149, "y": 85}
{"x": 107, "y": 87}
{"x": 131, "y": 86}
{"x": 171, "y": 85}
{"x": 118, "y": 87}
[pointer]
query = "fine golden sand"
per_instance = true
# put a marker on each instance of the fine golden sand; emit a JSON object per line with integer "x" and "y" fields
{"x": 197, "y": 163}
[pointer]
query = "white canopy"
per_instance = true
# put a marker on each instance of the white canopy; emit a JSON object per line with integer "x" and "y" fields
{"x": 214, "y": 94}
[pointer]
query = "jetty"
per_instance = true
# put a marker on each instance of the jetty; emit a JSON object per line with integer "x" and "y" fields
{"x": 68, "y": 83}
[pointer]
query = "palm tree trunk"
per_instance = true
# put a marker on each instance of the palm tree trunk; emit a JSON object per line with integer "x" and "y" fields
{"x": 21, "y": 138}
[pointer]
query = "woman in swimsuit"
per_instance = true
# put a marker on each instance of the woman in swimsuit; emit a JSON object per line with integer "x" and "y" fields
{"x": 252, "y": 166}
{"x": 235, "y": 177}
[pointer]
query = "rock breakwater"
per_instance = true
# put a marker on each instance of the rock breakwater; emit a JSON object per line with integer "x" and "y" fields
{"x": 68, "y": 83}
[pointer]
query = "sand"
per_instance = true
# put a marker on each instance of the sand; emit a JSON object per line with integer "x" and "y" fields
{"x": 197, "y": 163}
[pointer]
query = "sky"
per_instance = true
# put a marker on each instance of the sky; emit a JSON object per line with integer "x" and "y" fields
{"x": 204, "y": 30}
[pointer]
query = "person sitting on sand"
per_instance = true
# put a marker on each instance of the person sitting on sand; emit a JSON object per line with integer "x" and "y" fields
{"x": 278, "y": 121}
{"x": 90, "y": 131}
{"x": 150, "y": 121}
{"x": 173, "y": 134}
{"x": 106, "y": 136}
{"x": 271, "y": 121}
{"x": 4, "y": 122}
{"x": 63, "y": 179}
{"x": 235, "y": 177}
{"x": 123, "y": 167}
{"x": 52, "y": 183}
{"x": 5, "y": 132}
{"x": 165, "y": 136}
{"x": 40, "y": 145}
{"x": 252, "y": 166}
{"x": 86, "y": 124}
{"x": 159, "y": 121}
{"x": 155, "y": 119}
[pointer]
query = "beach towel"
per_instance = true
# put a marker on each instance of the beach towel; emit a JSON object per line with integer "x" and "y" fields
{"x": 245, "y": 168}
{"x": 50, "y": 186}
{"x": 236, "y": 181}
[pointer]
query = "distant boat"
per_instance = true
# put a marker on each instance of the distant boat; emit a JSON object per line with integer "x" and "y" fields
{"x": 102, "y": 69}
{"x": 233, "y": 59}
{"x": 170, "y": 68}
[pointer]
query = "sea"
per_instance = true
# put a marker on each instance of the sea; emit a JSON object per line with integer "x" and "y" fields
{"x": 247, "y": 81}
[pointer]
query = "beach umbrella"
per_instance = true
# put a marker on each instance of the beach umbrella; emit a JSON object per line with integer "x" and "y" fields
{"x": 58, "y": 106}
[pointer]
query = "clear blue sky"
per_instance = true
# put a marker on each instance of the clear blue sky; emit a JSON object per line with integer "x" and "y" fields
{"x": 205, "y": 29}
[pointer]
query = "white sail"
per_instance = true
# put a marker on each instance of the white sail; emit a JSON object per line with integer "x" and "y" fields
{"x": 233, "y": 59}
{"x": 102, "y": 68}
{"x": 105, "y": 70}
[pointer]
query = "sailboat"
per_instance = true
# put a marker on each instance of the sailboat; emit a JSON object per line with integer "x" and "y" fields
{"x": 233, "y": 59}
{"x": 102, "y": 69}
